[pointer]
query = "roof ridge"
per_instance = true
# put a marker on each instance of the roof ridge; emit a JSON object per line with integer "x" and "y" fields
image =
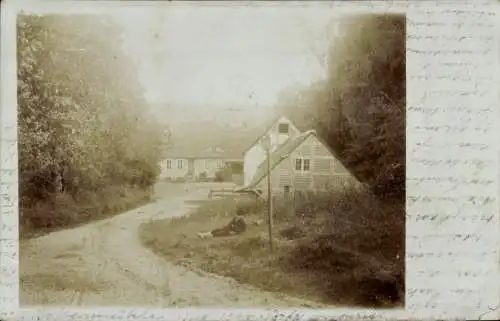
{"x": 276, "y": 161}
{"x": 268, "y": 126}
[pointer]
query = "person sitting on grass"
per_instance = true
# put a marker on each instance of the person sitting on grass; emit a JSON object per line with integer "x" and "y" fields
{"x": 236, "y": 226}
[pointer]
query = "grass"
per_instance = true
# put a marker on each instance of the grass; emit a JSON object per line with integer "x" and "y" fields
{"x": 345, "y": 248}
{"x": 66, "y": 212}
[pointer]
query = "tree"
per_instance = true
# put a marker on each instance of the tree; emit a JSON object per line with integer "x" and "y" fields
{"x": 82, "y": 113}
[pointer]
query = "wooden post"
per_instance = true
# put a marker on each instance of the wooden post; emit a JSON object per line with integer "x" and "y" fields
{"x": 269, "y": 197}
{"x": 289, "y": 201}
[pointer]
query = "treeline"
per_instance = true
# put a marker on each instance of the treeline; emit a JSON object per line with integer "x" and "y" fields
{"x": 87, "y": 146}
{"x": 360, "y": 108}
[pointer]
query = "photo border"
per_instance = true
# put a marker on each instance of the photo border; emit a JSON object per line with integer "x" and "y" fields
{"x": 420, "y": 294}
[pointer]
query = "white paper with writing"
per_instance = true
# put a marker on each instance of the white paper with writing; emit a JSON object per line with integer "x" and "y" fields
{"x": 452, "y": 172}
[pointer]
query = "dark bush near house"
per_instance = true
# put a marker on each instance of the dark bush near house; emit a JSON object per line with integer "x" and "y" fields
{"x": 244, "y": 207}
{"x": 219, "y": 176}
{"x": 293, "y": 232}
{"x": 141, "y": 174}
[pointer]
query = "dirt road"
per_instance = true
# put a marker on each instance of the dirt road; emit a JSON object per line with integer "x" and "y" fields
{"x": 105, "y": 264}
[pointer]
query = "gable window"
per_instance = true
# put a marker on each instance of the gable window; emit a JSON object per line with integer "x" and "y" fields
{"x": 306, "y": 165}
{"x": 169, "y": 163}
{"x": 179, "y": 163}
{"x": 214, "y": 149}
{"x": 298, "y": 164}
{"x": 283, "y": 128}
{"x": 302, "y": 164}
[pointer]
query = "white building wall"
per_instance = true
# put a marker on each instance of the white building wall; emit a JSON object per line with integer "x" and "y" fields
{"x": 174, "y": 171}
{"x": 253, "y": 158}
{"x": 209, "y": 166}
{"x": 256, "y": 155}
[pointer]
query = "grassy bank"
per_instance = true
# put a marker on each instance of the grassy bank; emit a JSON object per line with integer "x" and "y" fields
{"x": 345, "y": 248}
{"x": 63, "y": 211}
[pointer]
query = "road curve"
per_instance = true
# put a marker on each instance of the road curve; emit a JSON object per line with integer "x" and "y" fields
{"x": 104, "y": 264}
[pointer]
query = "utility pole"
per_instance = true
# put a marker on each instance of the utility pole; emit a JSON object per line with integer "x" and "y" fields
{"x": 269, "y": 194}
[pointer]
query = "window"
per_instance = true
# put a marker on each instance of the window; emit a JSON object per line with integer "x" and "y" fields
{"x": 220, "y": 163}
{"x": 287, "y": 189}
{"x": 179, "y": 163}
{"x": 306, "y": 164}
{"x": 298, "y": 164}
{"x": 169, "y": 163}
{"x": 302, "y": 164}
{"x": 283, "y": 128}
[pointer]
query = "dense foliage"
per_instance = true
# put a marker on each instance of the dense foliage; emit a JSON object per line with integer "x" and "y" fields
{"x": 83, "y": 124}
{"x": 360, "y": 108}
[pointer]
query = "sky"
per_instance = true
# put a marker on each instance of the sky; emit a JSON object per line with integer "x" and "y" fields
{"x": 226, "y": 55}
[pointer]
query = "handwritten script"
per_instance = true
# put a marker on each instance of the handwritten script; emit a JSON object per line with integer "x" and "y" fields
{"x": 452, "y": 164}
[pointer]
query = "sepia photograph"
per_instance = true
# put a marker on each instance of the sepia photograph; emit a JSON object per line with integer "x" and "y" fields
{"x": 223, "y": 155}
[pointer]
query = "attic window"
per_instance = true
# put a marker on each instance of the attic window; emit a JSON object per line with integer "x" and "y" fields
{"x": 283, "y": 128}
{"x": 215, "y": 149}
{"x": 302, "y": 164}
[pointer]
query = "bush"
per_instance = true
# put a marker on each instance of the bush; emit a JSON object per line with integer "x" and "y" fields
{"x": 246, "y": 207}
{"x": 141, "y": 173}
{"x": 219, "y": 176}
{"x": 357, "y": 241}
{"x": 292, "y": 233}
{"x": 64, "y": 211}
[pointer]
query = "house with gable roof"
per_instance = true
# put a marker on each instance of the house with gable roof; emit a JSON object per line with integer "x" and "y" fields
{"x": 279, "y": 131}
{"x": 186, "y": 163}
{"x": 302, "y": 163}
{"x": 202, "y": 150}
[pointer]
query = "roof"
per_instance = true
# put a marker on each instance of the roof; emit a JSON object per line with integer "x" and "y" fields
{"x": 194, "y": 141}
{"x": 267, "y": 128}
{"x": 278, "y": 156}
{"x": 187, "y": 152}
{"x": 281, "y": 153}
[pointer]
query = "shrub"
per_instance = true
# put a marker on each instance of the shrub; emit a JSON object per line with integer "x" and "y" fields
{"x": 219, "y": 176}
{"x": 245, "y": 207}
{"x": 357, "y": 236}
